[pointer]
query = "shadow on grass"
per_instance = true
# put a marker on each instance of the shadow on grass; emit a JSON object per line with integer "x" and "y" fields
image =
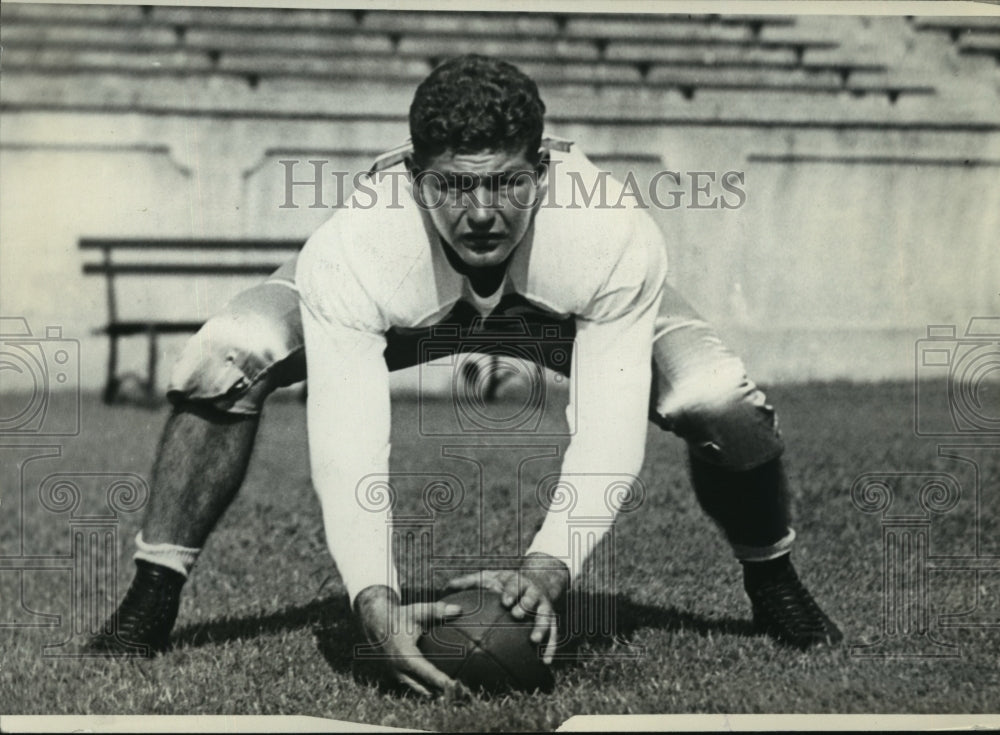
{"x": 593, "y": 623}
{"x": 596, "y": 623}
{"x": 329, "y": 618}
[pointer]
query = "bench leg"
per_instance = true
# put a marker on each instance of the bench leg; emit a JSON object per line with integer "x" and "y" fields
{"x": 153, "y": 359}
{"x": 112, "y": 383}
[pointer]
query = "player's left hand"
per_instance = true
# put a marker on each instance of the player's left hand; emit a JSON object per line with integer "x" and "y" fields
{"x": 534, "y": 589}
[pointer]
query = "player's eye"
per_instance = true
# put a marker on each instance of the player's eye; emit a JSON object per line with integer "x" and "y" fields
{"x": 520, "y": 181}
{"x": 463, "y": 188}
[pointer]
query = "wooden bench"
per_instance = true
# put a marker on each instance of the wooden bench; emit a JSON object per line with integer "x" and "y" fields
{"x": 139, "y": 262}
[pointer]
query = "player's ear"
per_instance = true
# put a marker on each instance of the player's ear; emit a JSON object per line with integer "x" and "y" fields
{"x": 413, "y": 170}
{"x": 542, "y": 174}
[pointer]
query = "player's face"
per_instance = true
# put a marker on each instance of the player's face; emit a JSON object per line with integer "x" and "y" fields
{"x": 481, "y": 203}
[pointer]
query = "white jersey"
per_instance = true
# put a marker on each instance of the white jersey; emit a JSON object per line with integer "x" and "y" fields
{"x": 371, "y": 272}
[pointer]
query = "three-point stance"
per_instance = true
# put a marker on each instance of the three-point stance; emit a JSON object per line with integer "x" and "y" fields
{"x": 474, "y": 232}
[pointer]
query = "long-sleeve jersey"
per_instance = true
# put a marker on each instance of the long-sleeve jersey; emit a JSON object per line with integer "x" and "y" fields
{"x": 379, "y": 269}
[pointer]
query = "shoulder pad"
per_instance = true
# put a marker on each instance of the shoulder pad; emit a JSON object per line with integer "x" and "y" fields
{"x": 391, "y": 158}
{"x": 556, "y": 144}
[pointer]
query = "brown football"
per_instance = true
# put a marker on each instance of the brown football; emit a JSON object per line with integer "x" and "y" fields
{"x": 486, "y": 647}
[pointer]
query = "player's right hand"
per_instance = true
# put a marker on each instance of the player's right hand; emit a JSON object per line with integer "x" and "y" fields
{"x": 393, "y": 629}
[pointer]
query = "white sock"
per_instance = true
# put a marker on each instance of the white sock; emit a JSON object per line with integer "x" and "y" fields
{"x": 765, "y": 553}
{"x": 179, "y": 558}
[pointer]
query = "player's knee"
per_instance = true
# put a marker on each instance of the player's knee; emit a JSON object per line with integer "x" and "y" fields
{"x": 725, "y": 419}
{"x": 234, "y": 362}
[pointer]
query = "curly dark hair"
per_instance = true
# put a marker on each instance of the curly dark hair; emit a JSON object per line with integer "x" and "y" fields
{"x": 474, "y": 103}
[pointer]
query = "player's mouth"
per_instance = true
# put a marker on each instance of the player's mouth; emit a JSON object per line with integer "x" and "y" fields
{"x": 482, "y": 243}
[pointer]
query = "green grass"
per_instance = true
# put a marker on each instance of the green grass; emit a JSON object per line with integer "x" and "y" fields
{"x": 264, "y": 626}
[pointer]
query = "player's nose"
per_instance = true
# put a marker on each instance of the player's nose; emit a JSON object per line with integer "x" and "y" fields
{"x": 480, "y": 214}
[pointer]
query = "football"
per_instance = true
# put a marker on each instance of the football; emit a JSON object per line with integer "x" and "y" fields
{"x": 487, "y": 648}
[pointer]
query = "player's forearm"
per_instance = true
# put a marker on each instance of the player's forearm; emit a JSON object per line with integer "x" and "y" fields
{"x": 586, "y": 503}
{"x": 601, "y": 466}
{"x": 357, "y": 533}
{"x": 348, "y": 416}
{"x": 599, "y": 471}
{"x": 349, "y": 472}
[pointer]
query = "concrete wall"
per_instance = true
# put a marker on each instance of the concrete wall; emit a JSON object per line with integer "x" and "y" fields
{"x": 865, "y": 219}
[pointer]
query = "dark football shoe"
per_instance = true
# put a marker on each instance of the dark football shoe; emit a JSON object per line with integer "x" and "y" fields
{"x": 783, "y": 607}
{"x": 142, "y": 623}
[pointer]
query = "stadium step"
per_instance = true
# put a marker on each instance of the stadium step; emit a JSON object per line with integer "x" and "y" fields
{"x": 294, "y": 98}
{"x": 260, "y": 18}
{"x": 699, "y": 54}
{"x": 736, "y": 78}
{"x": 210, "y": 94}
{"x": 11, "y": 12}
{"x": 957, "y": 24}
{"x": 211, "y": 31}
{"x": 655, "y": 29}
{"x": 288, "y": 40}
{"x": 415, "y": 57}
{"x": 170, "y": 68}
{"x": 987, "y": 44}
{"x": 60, "y": 49}
{"x": 67, "y": 32}
{"x": 441, "y": 47}
{"x": 501, "y": 25}
{"x": 222, "y": 39}
{"x": 894, "y": 85}
{"x": 43, "y": 57}
{"x": 341, "y": 66}
{"x": 241, "y": 60}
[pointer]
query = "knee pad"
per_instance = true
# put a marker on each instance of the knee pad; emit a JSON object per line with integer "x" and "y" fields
{"x": 244, "y": 353}
{"x": 702, "y": 393}
{"x": 724, "y": 417}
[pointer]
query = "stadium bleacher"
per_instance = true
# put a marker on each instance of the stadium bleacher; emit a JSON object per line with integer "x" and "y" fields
{"x": 750, "y": 54}
{"x": 169, "y": 121}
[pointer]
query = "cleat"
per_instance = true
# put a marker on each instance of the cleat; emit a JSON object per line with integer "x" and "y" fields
{"x": 783, "y": 607}
{"x": 142, "y": 623}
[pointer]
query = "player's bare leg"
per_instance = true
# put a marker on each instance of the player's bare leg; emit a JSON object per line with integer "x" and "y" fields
{"x": 200, "y": 465}
{"x": 218, "y": 387}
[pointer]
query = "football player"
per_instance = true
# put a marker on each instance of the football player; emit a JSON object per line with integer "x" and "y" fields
{"x": 464, "y": 228}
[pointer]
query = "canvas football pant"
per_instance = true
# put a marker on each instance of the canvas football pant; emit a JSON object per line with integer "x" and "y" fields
{"x": 700, "y": 392}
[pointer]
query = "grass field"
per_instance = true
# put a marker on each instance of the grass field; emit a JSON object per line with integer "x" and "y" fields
{"x": 264, "y": 625}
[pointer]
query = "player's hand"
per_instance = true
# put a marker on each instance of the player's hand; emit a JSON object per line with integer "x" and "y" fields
{"x": 393, "y": 629}
{"x": 534, "y": 589}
